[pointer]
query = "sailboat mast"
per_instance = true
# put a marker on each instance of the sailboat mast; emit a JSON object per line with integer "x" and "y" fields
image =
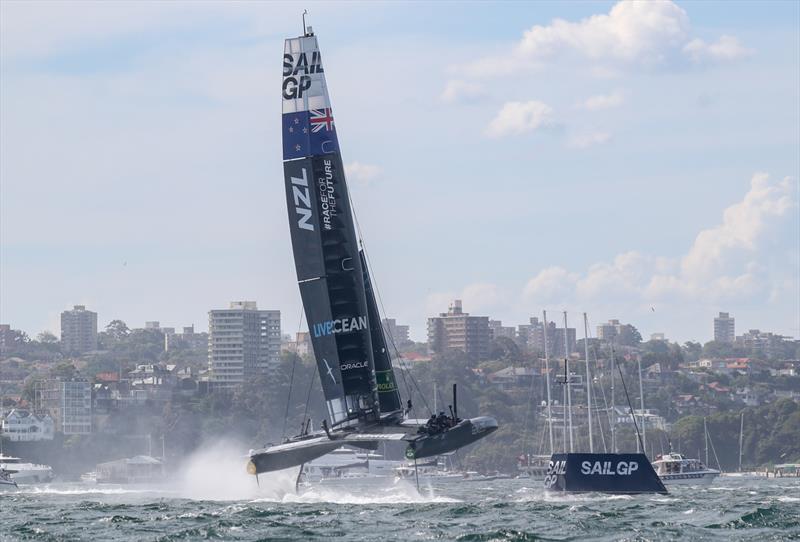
{"x": 588, "y": 379}
{"x": 564, "y": 409}
{"x": 741, "y": 436}
{"x": 547, "y": 379}
{"x": 613, "y": 420}
{"x": 641, "y": 403}
{"x": 567, "y": 378}
{"x": 705, "y": 435}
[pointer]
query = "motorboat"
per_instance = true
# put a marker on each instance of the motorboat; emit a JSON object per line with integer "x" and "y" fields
{"x": 23, "y": 472}
{"x": 675, "y": 469}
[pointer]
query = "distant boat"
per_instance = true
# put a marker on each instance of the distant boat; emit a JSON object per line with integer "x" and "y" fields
{"x": 133, "y": 470}
{"x": 23, "y": 472}
{"x": 6, "y": 482}
{"x": 675, "y": 469}
{"x": 533, "y": 467}
{"x": 347, "y": 464}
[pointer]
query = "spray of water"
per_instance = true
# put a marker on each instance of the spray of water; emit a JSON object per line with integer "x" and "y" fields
{"x": 217, "y": 472}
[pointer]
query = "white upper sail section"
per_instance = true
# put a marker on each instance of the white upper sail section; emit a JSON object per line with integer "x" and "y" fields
{"x": 304, "y": 85}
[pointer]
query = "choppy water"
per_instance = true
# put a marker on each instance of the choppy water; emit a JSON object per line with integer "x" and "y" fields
{"x": 731, "y": 509}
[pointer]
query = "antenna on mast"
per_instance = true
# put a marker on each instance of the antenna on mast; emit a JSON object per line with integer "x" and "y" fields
{"x": 305, "y": 31}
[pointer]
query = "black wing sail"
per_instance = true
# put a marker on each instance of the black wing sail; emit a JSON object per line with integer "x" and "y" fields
{"x": 338, "y": 296}
{"x": 324, "y": 241}
{"x": 388, "y": 394}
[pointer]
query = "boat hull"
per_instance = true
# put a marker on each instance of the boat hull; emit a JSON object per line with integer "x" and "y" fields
{"x": 603, "y": 473}
{"x": 689, "y": 479}
{"x": 279, "y": 458}
{"x": 464, "y": 433}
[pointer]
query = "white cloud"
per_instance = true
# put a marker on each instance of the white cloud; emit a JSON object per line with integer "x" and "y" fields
{"x": 632, "y": 33}
{"x": 603, "y": 101}
{"x": 519, "y": 117}
{"x": 588, "y": 139}
{"x": 551, "y": 284}
{"x": 459, "y": 91}
{"x": 743, "y": 226}
{"x": 362, "y": 173}
{"x": 725, "y": 48}
{"x": 725, "y": 262}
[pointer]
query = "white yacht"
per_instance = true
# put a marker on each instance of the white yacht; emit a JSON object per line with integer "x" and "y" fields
{"x": 22, "y": 472}
{"x": 674, "y": 469}
{"x": 346, "y": 464}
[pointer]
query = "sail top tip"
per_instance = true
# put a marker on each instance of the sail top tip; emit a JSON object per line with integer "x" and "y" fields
{"x": 307, "y": 30}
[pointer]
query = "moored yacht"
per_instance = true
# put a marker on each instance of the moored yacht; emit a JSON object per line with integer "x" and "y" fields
{"x": 23, "y": 472}
{"x": 347, "y": 463}
{"x": 674, "y": 468}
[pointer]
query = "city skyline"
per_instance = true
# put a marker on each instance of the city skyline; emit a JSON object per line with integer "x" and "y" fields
{"x": 537, "y": 163}
{"x": 554, "y": 318}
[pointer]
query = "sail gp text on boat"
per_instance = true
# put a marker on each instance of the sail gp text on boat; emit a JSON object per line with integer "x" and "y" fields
{"x": 590, "y": 468}
{"x": 623, "y": 468}
{"x": 293, "y": 86}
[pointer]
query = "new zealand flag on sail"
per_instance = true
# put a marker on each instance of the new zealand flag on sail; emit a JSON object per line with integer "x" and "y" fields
{"x": 309, "y": 133}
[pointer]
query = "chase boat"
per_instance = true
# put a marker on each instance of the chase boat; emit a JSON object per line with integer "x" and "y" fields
{"x": 675, "y": 469}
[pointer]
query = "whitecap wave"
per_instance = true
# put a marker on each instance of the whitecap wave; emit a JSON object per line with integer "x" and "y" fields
{"x": 384, "y": 492}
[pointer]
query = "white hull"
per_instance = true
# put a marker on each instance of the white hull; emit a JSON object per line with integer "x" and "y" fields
{"x": 25, "y": 473}
{"x": 32, "y": 476}
{"x": 689, "y": 479}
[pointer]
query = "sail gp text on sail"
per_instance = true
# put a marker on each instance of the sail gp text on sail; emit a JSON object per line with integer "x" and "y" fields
{"x": 293, "y": 86}
{"x": 340, "y": 325}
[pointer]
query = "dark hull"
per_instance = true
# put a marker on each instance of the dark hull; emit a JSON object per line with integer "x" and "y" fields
{"x": 466, "y": 432}
{"x": 297, "y": 452}
{"x": 604, "y": 473}
{"x": 269, "y": 461}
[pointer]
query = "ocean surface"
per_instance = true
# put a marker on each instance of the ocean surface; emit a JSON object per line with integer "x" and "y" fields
{"x": 730, "y": 509}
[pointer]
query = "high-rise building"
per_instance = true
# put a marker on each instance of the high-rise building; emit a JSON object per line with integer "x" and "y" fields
{"x": 69, "y": 403}
{"x": 187, "y": 338}
{"x": 762, "y": 342}
{"x": 609, "y": 330}
{"x": 532, "y": 336}
{"x": 78, "y": 330}
{"x": 457, "y": 330}
{"x": 395, "y": 333}
{"x": 497, "y": 330}
{"x": 724, "y": 328}
{"x": 243, "y": 342}
{"x": 624, "y": 334}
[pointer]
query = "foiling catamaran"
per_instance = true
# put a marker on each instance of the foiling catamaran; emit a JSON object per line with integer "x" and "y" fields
{"x": 354, "y": 364}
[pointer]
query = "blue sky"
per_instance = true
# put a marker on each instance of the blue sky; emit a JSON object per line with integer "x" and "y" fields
{"x": 635, "y": 161}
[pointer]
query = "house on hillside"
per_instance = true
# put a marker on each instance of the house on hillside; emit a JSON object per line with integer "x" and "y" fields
{"x": 25, "y": 426}
{"x": 512, "y": 378}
